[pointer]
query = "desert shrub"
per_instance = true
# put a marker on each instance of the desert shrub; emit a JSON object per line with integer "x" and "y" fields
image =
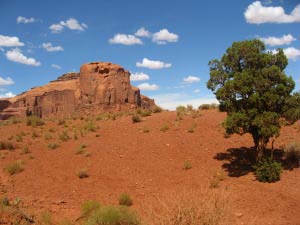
{"x": 46, "y": 218}
{"x": 125, "y": 200}
{"x": 14, "y": 167}
{"x": 53, "y": 145}
{"x": 189, "y": 207}
{"x": 268, "y": 170}
{"x": 34, "y": 121}
{"x": 51, "y": 129}
{"x": 5, "y": 145}
{"x": 156, "y": 109}
{"x": 90, "y": 126}
{"x": 61, "y": 122}
{"x": 292, "y": 152}
{"x": 164, "y": 128}
{"x": 15, "y": 120}
{"x": 146, "y": 130}
{"x": 180, "y": 110}
{"x": 113, "y": 215}
{"x": 204, "y": 107}
{"x": 80, "y": 149}
{"x": 48, "y": 136}
{"x": 187, "y": 165}
{"x": 82, "y": 173}
{"x": 106, "y": 116}
{"x": 19, "y": 138}
{"x": 189, "y": 108}
{"x": 64, "y": 136}
{"x": 136, "y": 118}
{"x": 145, "y": 113}
{"x": 217, "y": 178}
{"x": 25, "y": 150}
{"x": 88, "y": 207}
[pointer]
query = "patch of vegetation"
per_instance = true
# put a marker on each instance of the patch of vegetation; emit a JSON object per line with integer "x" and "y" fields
{"x": 61, "y": 122}
{"x": 53, "y": 145}
{"x": 145, "y": 113}
{"x": 34, "y": 121}
{"x": 125, "y": 200}
{"x": 268, "y": 170}
{"x": 156, "y": 109}
{"x": 136, "y": 118}
{"x": 82, "y": 173}
{"x": 90, "y": 126}
{"x": 145, "y": 130}
{"x": 64, "y": 136}
{"x": 46, "y": 218}
{"x": 208, "y": 106}
{"x": 106, "y": 116}
{"x": 14, "y": 167}
{"x": 19, "y": 138}
{"x": 187, "y": 165}
{"x": 88, "y": 207}
{"x": 180, "y": 110}
{"x": 80, "y": 149}
{"x": 48, "y": 136}
{"x": 5, "y": 145}
{"x": 164, "y": 128}
{"x": 292, "y": 153}
{"x": 24, "y": 150}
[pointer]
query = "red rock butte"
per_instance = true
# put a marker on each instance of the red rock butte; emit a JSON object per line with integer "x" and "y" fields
{"x": 98, "y": 87}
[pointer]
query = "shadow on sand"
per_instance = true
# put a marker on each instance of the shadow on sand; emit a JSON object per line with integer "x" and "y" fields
{"x": 240, "y": 161}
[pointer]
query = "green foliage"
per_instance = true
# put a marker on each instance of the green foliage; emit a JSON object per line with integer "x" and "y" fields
{"x": 252, "y": 87}
{"x": 156, "y": 109}
{"x": 88, "y": 207}
{"x": 34, "y": 121}
{"x": 187, "y": 165}
{"x": 164, "y": 128}
{"x": 80, "y": 149}
{"x": 64, "y": 136}
{"x": 136, "y": 118}
{"x": 125, "y": 199}
{"x": 25, "y": 150}
{"x": 145, "y": 113}
{"x": 113, "y": 215}
{"x": 268, "y": 170}
{"x": 180, "y": 110}
{"x": 15, "y": 167}
{"x": 90, "y": 126}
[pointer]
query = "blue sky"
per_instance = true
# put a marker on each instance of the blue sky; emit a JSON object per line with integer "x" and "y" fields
{"x": 168, "y": 57}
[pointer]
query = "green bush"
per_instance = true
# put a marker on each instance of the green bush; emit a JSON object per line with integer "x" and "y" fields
{"x": 64, "y": 136}
{"x": 156, "y": 109}
{"x": 187, "y": 165}
{"x": 268, "y": 170}
{"x": 5, "y": 145}
{"x": 90, "y": 126}
{"x": 292, "y": 152}
{"x": 113, "y": 215}
{"x": 125, "y": 199}
{"x": 34, "y": 121}
{"x": 180, "y": 110}
{"x": 53, "y": 145}
{"x": 88, "y": 207}
{"x": 164, "y": 128}
{"x": 136, "y": 118}
{"x": 145, "y": 113}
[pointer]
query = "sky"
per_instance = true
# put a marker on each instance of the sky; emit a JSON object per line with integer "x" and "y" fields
{"x": 165, "y": 44}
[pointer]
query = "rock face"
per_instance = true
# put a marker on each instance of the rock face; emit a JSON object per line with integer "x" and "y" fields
{"x": 99, "y": 87}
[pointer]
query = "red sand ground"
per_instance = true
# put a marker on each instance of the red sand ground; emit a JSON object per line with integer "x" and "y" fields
{"x": 125, "y": 159}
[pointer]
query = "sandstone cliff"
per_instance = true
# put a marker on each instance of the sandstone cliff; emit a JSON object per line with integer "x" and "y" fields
{"x": 98, "y": 87}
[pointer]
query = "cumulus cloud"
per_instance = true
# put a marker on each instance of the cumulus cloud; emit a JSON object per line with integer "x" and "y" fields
{"x": 8, "y": 41}
{"x": 71, "y": 24}
{"x": 139, "y": 76}
{"x": 256, "y": 13}
{"x": 7, "y": 95}
{"x": 7, "y": 81}
{"x": 142, "y": 32}
{"x": 125, "y": 39}
{"x": 150, "y": 64}
{"x": 172, "y": 100}
{"x": 275, "y": 41}
{"x": 49, "y": 48}
{"x": 148, "y": 87}
{"x": 21, "y": 19}
{"x": 56, "y": 66}
{"x": 191, "y": 79}
{"x": 164, "y": 36}
{"x": 16, "y": 55}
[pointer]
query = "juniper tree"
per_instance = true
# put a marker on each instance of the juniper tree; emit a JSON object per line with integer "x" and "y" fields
{"x": 251, "y": 85}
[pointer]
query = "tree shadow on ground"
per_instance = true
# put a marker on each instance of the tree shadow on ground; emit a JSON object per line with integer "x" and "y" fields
{"x": 240, "y": 161}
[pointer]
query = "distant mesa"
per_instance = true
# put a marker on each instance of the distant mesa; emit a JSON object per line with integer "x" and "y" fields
{"x": 98, "y": 87}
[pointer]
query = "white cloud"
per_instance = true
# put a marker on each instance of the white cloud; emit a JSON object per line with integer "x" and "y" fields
{"x": 150, "y": 64}
{"x": 8, "y": 41}
{"x": 49, "y": 48}
{"x": 256, "y": 13}
{"x": 275, "y": 41}
{"x": 7, "y": 95}
{"x": 196, "y": 91}
{"x": 142, "y": 32}
{"x": 16, "y": 55}
{"x": 164, "y": 36}
{"x": 71, "y": 24}
{"x": 191, "y": 79}
{"x": 172, "y": 100}
{"x": 21, "y": 19}
{"x": 56, "y": 66}
{"x": 292, "y": 53}
{"x": 7, "y": 81}
{"x": 125, "y": 39}
{"x": 148, "y": 87}
{"x": 139, "y": 76}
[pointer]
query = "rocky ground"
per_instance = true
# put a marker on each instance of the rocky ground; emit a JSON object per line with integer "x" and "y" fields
{"x": 145, "y": 160}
